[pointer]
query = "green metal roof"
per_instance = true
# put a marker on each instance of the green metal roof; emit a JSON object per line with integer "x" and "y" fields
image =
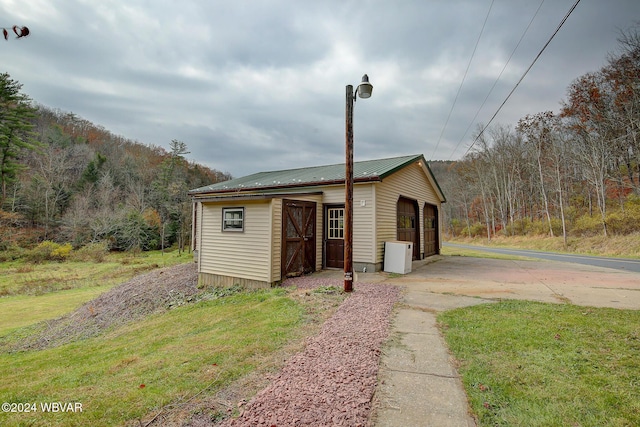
{"x": 369, "y": 170}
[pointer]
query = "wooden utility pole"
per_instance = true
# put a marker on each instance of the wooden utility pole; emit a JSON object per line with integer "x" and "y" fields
{"x": 348, "y": 198}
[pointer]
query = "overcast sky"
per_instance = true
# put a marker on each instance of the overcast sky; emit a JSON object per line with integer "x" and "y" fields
{"x": 254, "y": 86}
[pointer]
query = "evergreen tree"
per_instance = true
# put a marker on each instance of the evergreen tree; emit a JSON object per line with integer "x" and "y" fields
{"x": 15, "y": 130}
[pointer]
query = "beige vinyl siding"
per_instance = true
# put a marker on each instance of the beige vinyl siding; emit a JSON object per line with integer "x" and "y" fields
{"x": 197, "y": 228}
{"x": 364, "y": 231}
{"x": 194, "y": 222}
{"x": 276, "y": 240}
{"x": 333, "y": 195}
{"x": 410, "y": 182}
{"x": 200, "y": 233}
{"x": 244, "y": 254}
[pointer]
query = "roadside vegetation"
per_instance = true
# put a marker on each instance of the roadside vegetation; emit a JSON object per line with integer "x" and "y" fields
{"x": 625, "y": 246}
{"x": 476, "y": 253}
{"x": 534, "y": 364}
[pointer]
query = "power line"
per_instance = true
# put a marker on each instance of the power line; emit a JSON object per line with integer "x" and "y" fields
{"x": 497, "y": 79}
{"x": 463, "y": 79}
{"x": 523, "y": 76}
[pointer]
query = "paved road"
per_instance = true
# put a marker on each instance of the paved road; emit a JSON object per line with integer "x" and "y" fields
{"x": 615, "y": 263}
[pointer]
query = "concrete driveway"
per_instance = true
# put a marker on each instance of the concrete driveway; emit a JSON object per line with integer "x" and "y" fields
{"x": 545, "y": 281}
{"x": 418, "y": 380}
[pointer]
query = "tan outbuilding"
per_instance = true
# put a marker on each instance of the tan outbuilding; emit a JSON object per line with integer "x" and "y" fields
{"x": 259, "y": 229}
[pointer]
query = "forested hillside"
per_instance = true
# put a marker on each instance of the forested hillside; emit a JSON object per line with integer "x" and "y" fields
{"x": 65, "y": 179}
{"x": 573, "y": 173}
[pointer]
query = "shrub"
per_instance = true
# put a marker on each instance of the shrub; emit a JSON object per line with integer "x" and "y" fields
{"x": 538, "y": 228}
{"x": 11, "y": 253}
{"x": 518, "y": 227}
{"x": 477, "y": 229}
{"x": 95, "y": 252}
{"x": 587, "y": 225}
{"x": 49, "y": 251}
{"x": 625, "y": 222}
{"x": 61, "y": 252}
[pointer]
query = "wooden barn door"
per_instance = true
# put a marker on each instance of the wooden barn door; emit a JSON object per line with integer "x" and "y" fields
{"x": 298, "y": 238}
{"x": 408, "y": 224}
{"x": 430, "y": 230}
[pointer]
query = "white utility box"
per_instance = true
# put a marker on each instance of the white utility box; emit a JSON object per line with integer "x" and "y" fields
{"x": 398, "y": 256}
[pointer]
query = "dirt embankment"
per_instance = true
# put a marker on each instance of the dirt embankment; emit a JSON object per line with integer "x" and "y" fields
{"x": 138, "y": 297}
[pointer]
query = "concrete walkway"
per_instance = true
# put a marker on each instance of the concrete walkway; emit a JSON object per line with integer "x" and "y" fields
{"x": 419, "y": 385}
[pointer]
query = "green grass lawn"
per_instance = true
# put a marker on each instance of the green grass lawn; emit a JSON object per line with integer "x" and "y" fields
{"x": 25, "y": 278}
{"x": 534, "y": 364}
{"x": 30, "y": 292}
{"x": 466, "y": 252}
{"x": 135, "y": 370}
{"x": 624, "y": 246}
{"x": 23, "y": 310}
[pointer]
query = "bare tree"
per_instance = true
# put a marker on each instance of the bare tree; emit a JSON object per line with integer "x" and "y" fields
{"x": 537, "y": 131}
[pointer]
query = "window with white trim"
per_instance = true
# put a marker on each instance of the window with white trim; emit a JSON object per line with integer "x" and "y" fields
{"x": 232, "y": 219}
{"x": 336, "y": 223}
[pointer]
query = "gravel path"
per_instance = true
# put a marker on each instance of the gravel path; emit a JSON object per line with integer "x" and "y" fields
{"x": 331, "y": 382}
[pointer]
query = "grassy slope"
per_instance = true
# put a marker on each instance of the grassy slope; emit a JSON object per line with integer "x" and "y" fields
{"x": 137, "y": 369}
{"x": 627, "y": 246}
{"x": 132, "y": 372}
{"x": 33, "y": 293}
{"x": 23, "y": 310}
{"x": 24, "y": 278}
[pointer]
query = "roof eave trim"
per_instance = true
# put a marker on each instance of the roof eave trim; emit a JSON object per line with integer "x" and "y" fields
{"x": 433, "y": 180}
{"x": 402, "y": 166}
{"x": 283, "y": 187}
{"x": 242, "y": 197}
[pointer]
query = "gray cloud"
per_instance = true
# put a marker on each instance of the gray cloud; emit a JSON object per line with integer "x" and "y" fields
{"x": 254, "y": 86}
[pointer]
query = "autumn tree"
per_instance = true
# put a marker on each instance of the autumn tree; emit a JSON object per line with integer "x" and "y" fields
{"x": 589, "y": 117}
{"x": 461, "y": 195}
{"x": 540, "y": 132}
{"x": 579, "y": 169}
{"x": 480, "y": 179}
{"x": 623, "y": 77}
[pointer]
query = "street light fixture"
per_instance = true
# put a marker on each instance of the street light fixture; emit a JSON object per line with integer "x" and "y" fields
{"x": 364, "y": 91}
